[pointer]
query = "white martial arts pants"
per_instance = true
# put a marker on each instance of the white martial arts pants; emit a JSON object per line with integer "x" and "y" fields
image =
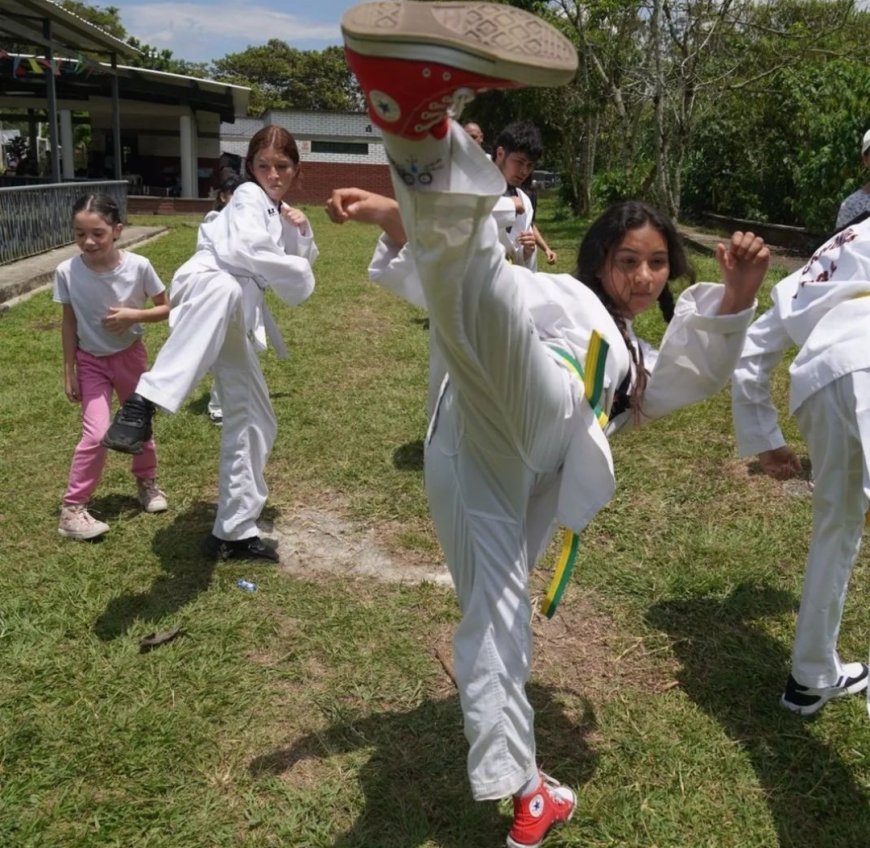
{"x": 835, "y": 422}
{"x": 497, "y": 441}
{"x": 208, "y": 332}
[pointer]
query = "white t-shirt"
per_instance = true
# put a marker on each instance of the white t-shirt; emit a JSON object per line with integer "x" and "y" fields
{"x": 853, "y": 206}
{"x": 91, "y": 293}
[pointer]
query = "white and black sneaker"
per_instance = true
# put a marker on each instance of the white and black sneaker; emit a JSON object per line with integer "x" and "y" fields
{"x": 252, "y": 548}
{"x": 807, "y": 701}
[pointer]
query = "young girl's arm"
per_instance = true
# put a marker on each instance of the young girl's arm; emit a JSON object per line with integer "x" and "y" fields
{"x": 121, "y": 318}
{"x": 704, "y": 340}
{"x": 541, "y": 242}
{"x": 70, "y": 340}
{"x": 743, "y": 265}
{"x": 357, "y": 204}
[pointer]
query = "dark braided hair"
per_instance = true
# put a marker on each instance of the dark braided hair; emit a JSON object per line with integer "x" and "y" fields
{"x": 106, "y": 207}
{"x": 596, "y": 249}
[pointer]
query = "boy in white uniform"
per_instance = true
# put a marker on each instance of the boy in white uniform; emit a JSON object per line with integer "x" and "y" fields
{"x": 824, "y": 308}
{"x": 514, "y": 445}
{"x": 516, "y": 152}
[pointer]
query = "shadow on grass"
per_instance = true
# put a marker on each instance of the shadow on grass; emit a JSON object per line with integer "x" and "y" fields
{"x": 199, "y": 406}
{"x": 409, "y": 457}
{"x": 415, "y": 784}
{"x": 736, "y": 672}
{"x": 187, "y": 573}
{"x": 753, "y": 468}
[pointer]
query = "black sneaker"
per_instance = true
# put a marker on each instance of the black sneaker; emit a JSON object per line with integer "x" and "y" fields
{"x": 131, "y": 427}
{"x": 250, "y": 548}
{"x": 806, "y": 701}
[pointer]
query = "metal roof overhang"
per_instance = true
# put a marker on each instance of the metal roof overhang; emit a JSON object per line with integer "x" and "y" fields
{"x": 49, "y": 26}
{"x": 57, "y": 33}
{"x": 136, "y": 84}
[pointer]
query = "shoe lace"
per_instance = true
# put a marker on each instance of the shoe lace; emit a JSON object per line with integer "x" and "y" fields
{"x": 136, "y": 410}
{"x": 460, "y": 99}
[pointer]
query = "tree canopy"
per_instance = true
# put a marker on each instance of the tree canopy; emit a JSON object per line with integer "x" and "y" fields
{"x": 751, "y": 108}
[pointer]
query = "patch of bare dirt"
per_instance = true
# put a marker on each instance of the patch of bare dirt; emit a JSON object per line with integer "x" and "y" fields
{"x": 580, "y": 650}
{"x": 318, "y": 542}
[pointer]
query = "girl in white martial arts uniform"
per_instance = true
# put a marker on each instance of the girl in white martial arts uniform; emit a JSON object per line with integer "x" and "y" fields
{"x": 824, "y": 308}
{"x": 224, "y": 195}
{"x": 217, "y": 323}
{"x": 514, "y": 445}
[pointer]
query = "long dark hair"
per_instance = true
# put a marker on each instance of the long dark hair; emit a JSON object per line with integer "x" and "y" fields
{"x": 596, "y": 250}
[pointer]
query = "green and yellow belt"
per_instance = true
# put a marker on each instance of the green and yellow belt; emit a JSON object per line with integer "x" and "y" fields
{"x": 592, "y": 378}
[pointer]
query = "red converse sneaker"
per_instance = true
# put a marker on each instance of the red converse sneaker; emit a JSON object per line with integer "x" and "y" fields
{"x": 550, "y": 804}
{"x": 415, "y": 61}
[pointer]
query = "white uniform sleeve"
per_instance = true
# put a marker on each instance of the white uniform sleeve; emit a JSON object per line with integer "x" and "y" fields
{"x": 249, "y": 248}
{"x": 296, "y": 244}
{"x": 698, "y": 352}
{"x": 756, "y": 424}
{"x": 394, "y": 269}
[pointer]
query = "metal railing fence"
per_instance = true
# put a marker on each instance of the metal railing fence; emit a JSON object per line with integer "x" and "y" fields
{"x": 36, "y": 218}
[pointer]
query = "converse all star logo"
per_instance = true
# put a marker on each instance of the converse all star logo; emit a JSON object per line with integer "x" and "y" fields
{"x": 536, "y": 806}
{"x": 385, "y": 107}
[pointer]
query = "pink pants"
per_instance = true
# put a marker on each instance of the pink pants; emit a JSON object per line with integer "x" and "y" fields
{"x": 98, "y": 375}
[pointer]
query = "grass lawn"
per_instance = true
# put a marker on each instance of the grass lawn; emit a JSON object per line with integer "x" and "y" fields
{"x": 317, "y": 711}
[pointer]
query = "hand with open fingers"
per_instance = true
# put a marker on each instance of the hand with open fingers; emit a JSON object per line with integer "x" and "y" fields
{"x": 119, "y": 319}
{"x": 780, "y": 463}
{"x": 743, "y": 265}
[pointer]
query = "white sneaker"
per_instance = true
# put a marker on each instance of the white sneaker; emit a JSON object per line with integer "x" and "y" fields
{"x": 151, "y": 497}
{"x": 806, "y": 700}
{"x": 77, "y": 523}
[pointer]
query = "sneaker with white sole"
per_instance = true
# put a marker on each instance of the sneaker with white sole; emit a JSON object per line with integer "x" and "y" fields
{"x": 806, "y": 700}
{"x": 549, "y": 805}
{"x": 152, "y": 498}
{"x": 77, "y": 523}
{"x": 416, "y": 61}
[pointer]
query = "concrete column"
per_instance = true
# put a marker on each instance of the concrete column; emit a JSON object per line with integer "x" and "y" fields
{"x": 67, "y": 144}
{"x": 116, "y": 120}
{"x": 187, "y": 140}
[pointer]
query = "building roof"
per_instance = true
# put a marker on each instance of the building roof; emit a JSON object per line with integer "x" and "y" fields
{"x": 22, "y": 22}
{"x": 85, "y": 90}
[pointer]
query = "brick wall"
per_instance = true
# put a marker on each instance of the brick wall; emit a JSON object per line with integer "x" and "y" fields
{"x": 318, "y": 179}
{"x": 314, "y": 186}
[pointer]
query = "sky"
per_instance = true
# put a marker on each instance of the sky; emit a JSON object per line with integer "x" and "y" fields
{"x": 200, "y": 31}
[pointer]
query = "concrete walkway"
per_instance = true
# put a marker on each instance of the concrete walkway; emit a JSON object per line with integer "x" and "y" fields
{"x": 706, "y": 243}
{"x": 22, "y": 279}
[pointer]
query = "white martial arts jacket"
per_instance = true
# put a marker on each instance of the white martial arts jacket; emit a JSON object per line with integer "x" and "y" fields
{"x": 251, "y": 240}
{"x": 511, "y": 223}
{"x": 698, "y": 353}
{"x": 822, "y": 309}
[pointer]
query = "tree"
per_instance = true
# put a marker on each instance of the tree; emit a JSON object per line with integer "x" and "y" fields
{"x": 283, "y": 77}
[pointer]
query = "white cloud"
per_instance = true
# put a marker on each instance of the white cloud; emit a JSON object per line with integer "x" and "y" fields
{"x": 202, "y": 32}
